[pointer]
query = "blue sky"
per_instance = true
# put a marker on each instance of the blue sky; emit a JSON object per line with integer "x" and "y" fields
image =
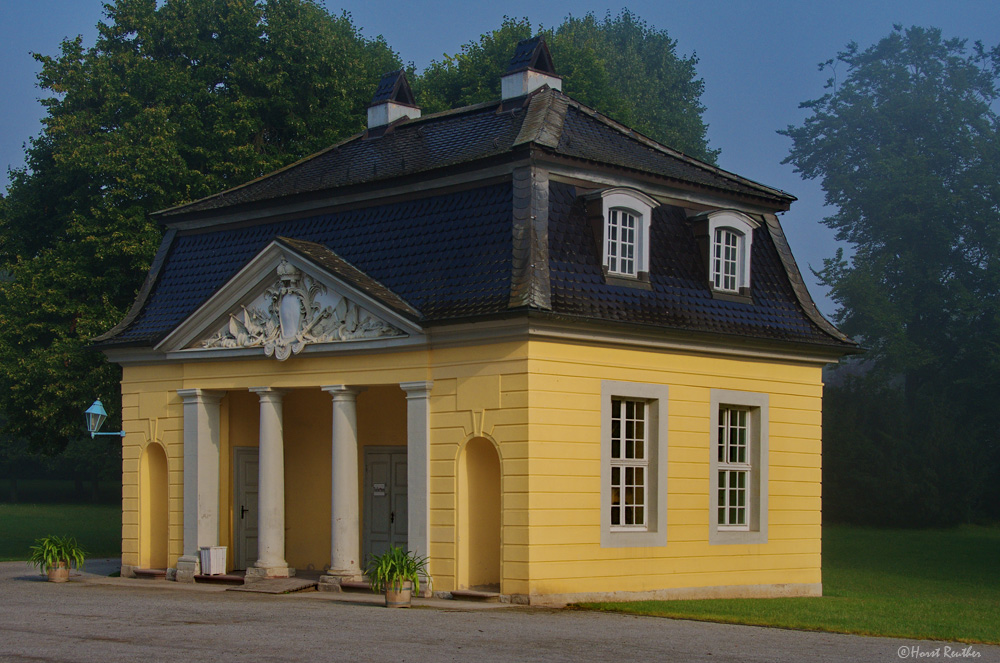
{"x": 758, "y": 60}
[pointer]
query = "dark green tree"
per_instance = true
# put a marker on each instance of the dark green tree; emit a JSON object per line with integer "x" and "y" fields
{"x": 906, "y": 143}
{"x": 620, "y": 65}
{"x": 176, "y": 100}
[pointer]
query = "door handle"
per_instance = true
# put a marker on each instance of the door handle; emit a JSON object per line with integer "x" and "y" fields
{"x": 392, "y": 517}
{"x": 243, "y": 511}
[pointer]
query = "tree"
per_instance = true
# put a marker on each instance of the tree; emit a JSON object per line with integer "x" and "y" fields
{"x": 620, "y": 66}
{"x": 175, "y": 101}
{"x": 906, "y": 143}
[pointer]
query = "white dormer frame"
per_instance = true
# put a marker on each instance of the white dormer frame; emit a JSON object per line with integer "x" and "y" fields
{"x": 639, "y": 206}
{"x": 742, "y": 226}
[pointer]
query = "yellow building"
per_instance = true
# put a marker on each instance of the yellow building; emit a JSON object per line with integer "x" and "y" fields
{"x": 560, "y": 360}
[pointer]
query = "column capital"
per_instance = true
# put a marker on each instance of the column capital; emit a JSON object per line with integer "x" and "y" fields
{"x": 342, "y": 392}
{"x": 269, "y": 394}
{"x": 419, "y": 389}
{"x": 200, "y": 395}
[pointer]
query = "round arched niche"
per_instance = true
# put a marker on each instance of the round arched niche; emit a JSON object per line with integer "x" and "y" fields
{"x": 479, "y": 515}
{"x": 153, "y": 507}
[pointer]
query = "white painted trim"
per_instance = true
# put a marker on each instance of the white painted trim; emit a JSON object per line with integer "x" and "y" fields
{"x": 251, "y": 281}
{"x": 639, "y": 205}
{"x": 743, "y": 226}
{"x": 507, "y": 330}
{"x": 345, "y": 514}
{"x": 759, "y": 460}
{"x": 655, "y": 533}
{"x": 560, "y": 172}
{"x": 271, "y": 485}
{"x": 418, "y": 467}
{"x": 202, "y": 411}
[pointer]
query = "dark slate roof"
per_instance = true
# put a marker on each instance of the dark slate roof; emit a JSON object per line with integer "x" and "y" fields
{"x": 447, "y": 256}
{"x": 345, "y": 271}
{"x": 532, "y": 54}
{"x": 679, "y": 297}
{"x": 475, "y": 133}
{"x": 393, "y": 86}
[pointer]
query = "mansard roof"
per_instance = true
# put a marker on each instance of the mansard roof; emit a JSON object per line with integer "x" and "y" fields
{"x": 499, "y": 244}
{"x": 546, "y": 119}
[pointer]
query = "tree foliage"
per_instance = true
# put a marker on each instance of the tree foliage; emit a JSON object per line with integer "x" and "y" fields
{"x": 179, "y": 99}
{"x": 906, "y": 143}
{"x": 175, "y": 101}
{"x": 620, "y": 65}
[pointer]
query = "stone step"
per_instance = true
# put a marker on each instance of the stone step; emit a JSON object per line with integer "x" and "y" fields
{"x": 475, "y": 595}
{"x": 150, "y": 574}
{"x": 355, "y": 586}
{"x": 219, "y": 578}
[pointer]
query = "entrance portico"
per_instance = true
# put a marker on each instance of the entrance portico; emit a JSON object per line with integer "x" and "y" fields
{"x": 291, "y": 468}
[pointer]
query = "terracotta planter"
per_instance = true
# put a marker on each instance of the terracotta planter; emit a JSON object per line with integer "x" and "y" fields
{"x": 398, "y": 598}
{"x": 59, "y": 573}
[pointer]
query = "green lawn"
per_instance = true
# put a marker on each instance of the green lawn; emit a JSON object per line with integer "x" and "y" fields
{"x": 97, "y": 527}
{"x": 936, "y": 584}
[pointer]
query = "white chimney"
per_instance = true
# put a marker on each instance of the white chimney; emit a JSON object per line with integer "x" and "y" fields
{"x": 393, "y": 100}
{"x": 529, "y": 69}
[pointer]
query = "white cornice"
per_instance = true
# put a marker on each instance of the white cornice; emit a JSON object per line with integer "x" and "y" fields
{"x": 513, "y": 330}
{"x": 561, "y": 172}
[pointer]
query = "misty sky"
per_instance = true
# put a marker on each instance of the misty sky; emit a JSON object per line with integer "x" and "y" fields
{"x": 758, "y": 60}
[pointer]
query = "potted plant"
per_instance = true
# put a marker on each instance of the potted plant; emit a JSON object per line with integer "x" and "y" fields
{"x": 55, "y": 555}
{"x": 397, "y": 573}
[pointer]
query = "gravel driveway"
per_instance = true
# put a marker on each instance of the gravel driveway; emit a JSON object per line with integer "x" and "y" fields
{"x": 104, "y": 620}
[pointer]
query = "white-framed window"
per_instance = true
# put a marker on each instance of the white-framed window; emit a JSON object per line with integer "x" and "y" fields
{"x": 732, "y": 453}
{"x": 739, "y": 459}
{"x": 629, "y": 463}
{"x": 621, "y": 242}
{"x": 729, "y": 235}
{"x": 626, "y": 215}
{"x": 726, "y": 259}
{"x": 633, "y": 464}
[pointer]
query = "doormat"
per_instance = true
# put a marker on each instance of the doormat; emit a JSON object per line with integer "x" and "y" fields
{"x": 276, "y": 586}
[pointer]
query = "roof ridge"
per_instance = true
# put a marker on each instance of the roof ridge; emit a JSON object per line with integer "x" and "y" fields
{"x": 633, "y": 134}
{"x": 309, "y": 157}
{"x": 544, "y": 119}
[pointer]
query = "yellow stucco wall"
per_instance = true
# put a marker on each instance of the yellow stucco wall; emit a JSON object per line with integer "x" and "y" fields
{"x": 563, "y": 525}
{"x": 549, "y": 451}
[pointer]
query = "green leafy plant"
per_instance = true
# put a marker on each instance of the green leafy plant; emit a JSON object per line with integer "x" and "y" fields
{"x": 49, "y": 551}
{"x": 393, "y": 568}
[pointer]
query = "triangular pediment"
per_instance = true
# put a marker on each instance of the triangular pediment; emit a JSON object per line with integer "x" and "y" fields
{"x": 295, "y": 296}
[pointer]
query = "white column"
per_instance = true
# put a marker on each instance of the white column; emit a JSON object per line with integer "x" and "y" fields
{"x": 345, "y": 513}
{"x": 201, "y": 477}
{"x": 418, "y": 472}
{"x": 271, "y": 489}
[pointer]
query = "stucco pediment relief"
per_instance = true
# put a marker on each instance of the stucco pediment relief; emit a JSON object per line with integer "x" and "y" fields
{"x": 295, "y": 311}
{"x": 284, "y": 302}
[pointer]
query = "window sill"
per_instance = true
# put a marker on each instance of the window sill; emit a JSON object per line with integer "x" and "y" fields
{"x": 741, "y": 297}
{"x": 640, "y": 282}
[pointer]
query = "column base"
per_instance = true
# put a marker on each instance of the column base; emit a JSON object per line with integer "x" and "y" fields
{"x": 188, "y": 566}
{"x": 264, "y": 572}
{"x": 331, "y": 582}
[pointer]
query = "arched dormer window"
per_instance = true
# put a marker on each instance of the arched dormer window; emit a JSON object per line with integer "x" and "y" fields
{"x": 622, "y": 219}
{"x": 729, "y": 238}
